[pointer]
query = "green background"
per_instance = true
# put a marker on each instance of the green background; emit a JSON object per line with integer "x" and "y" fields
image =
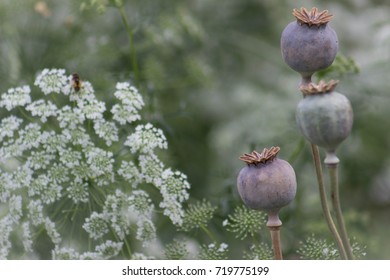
{"x": 214, "y": 80}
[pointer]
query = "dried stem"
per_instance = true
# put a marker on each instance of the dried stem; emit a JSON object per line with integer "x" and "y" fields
{"x": 274, "y": 225}
{"x": 335, "y": 196}
{"x": 324, "y": 202}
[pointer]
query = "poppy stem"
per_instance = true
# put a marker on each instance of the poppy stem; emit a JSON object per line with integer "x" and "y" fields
{"x": 324, "y": 202}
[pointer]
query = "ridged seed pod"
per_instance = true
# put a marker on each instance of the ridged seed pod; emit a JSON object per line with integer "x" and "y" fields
{"x": 309, "y": 44}
{"x": 324, "y": 116}
{"x": 266, "y": 183}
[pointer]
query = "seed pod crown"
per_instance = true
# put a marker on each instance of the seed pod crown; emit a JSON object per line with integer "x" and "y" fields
{"x": 263, "y": 157}
{"x": 314, "y": 17}
{"x": 320, "y": 88}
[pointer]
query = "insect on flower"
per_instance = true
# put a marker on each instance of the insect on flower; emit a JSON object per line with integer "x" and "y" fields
{"x": 76, "y": 82}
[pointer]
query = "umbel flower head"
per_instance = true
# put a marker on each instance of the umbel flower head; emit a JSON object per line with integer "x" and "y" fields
{"x": 71, "y": 175}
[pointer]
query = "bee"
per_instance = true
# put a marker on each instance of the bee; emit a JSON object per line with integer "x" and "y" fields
{"x": 76, "y": 82}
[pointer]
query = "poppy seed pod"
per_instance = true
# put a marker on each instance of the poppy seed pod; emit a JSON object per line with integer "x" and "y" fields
{"x": 266, "y": 183}
{"x": 309, "y": 44}
{"x": 324, "y": 116}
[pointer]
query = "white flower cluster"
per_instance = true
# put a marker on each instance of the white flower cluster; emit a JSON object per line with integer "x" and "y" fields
{"x": 42, "y": 109}
{"x": 68, "y": 164}
{"x": 52, "y": 81}
{"x": 131, "y": 103}
{"x": 15, "y": 97}
{"x": 145, "y": 139}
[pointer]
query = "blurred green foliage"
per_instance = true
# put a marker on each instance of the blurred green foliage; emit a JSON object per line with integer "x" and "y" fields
{"x": 214, "y": 80}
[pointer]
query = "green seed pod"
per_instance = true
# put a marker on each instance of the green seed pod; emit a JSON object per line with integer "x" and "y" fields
{"x": 324, "y": 116}
{"x": 309, "y": 44}
{"x": 266, "y": 183}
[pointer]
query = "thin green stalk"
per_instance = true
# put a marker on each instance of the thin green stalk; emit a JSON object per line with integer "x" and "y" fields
{"x": 209, "y": 234}
{"x": 128, "y": 247}
{"x": 335, "y": 196}
{"x": 133, "y": 53}
{"x": 29, "y": 118}
{"x": 324, "y": 202}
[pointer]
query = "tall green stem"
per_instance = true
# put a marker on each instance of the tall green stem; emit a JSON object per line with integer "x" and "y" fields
{"x": 335, "y": 196}
{"x": 324, "y": 201}
{"x": 133, "y": 53}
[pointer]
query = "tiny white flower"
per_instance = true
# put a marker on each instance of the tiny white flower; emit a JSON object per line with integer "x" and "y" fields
{"x": 51, "y": 193}
{"x": 145, "y": 139}
{"x": 27, "y": 237}
{"x": 124, "y": 114}
{"x": 22, "y": 177}
{"x": 39, "y": 159}
{"x": 225, "y": 222}
{"x": 141, "y": 204}
{"x": 146, "y": 231}
{"x": 151, "y": 169}
{"x": 70, "y": 158}
{"x": 129, "y": 95}
{"x": 174, "y": 185}
{"x": 172, "y": 209}
{"x": 42, "y": 109}
{"x": 35, "y": 212}
{"x": 64, "y": 254}
{"x": 53, "y": 80}
{"x": 96, "y": 225}
{"x": 78, "y": 136}
{"x": 99, "y": 161}
{"x": 70, "y": 117}
{"x": 78, "y": 191}
{"x": 52, "y": 142}
{"x": 8, "y": 126}
{"x": 52, "y": 231}
{"x": 38, "y": 185}
{"x": 6, "y": 183}
{"x": 130, "y": 172}
{"x": 93, "y": 109}
{"x": 106, "y": 130}
{"x": 30, "y": 136}
{"x": 109, "y": 249}
{"x": 14, "y": 97}
{"x": 15, "y": 208}
{"x": 5, "y": 232}
{"x": 223, "y": 247}
{"x": 90, "y": 256}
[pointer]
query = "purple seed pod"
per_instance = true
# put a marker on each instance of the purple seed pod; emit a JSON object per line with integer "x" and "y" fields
{"x": 266, "y": 183}
{"x": 309, "y": 44}
{"x": 324, "y": 116}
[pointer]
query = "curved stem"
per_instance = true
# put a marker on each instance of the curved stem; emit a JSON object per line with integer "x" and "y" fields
{"x": 334, "y": 188}
{"x": 209, "y": 234}
{"x": 133, "y": 53}
{"x": 324, "y": 202}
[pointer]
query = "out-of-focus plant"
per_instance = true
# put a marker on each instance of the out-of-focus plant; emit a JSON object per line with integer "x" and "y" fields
{"x": 80, "y": 176}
